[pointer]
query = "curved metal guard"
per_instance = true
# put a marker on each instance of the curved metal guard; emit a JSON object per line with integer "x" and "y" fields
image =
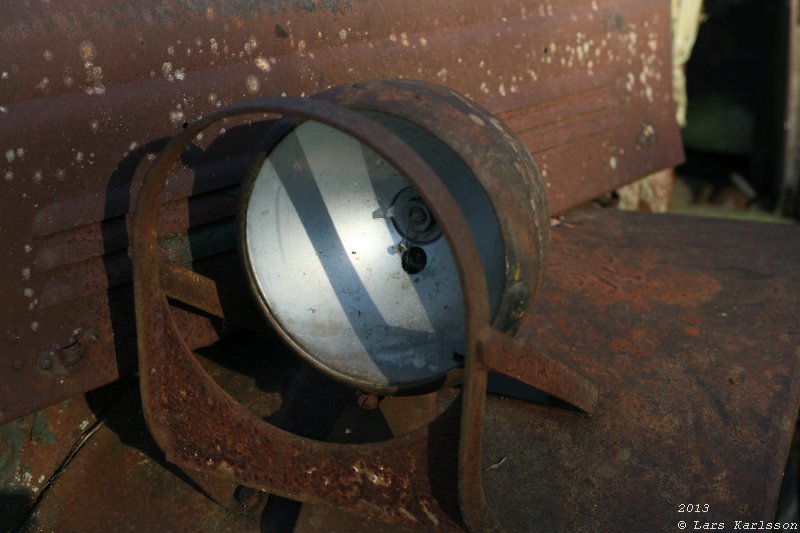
{"x": 206, "y": 432}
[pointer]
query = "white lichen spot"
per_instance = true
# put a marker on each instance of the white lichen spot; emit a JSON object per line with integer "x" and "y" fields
{"x": 79, "y": 157}
{"x": 262, "y": 64}
{"x": 214, "y": 46}
{"x": 180, "y": 74}
{"x": 34, "y": 326}
{"x": 20, "y": 153}
{"x": 3, "y": 109}
{"x": 252, "y": 84}
{"x": 176, "y": 116}
{"x": 94, "y": 78}
{"x": 33, "y": 304}
{"x": 87, "y": 51}
{"x": 392, "y": 37}
{"x": 404, "y": 39}
{"x": 42, "y": 85}
{"x": 484, "y": 88}
{"x": 10, "y": 156}
{"x": 301, "y": 47}
{"x": 166, "y": 68}
{"x": 423, "y": 41}
{"x": 94, "y": 125}
{"x": 594, "y": 5}
{"x": 502, "y": 89}
{"x": 28, "y": 292}
{"x": 612, "y": 162}
{"x": 37, "y": 177}
{"x": 4, "y": 75}
{"x": 251, "y": 45}
{"x": 26, "y": 274}
{"x": 28, "y": 248}
{"x": 48, "y": 55}
{"x": 343, "y": 34}
{"x": 83, "y": 425}
{"x": 9, "y": 175}
{"x": 442, "y": 74}
{"x": 171, "y": 50}
{"x": 631, "y": 82}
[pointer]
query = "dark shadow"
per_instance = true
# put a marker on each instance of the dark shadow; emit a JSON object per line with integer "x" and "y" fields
{"x": 737, "y": 86}
{"x": 124, "y": 417}
{"x": 503, "y": 385}
{"x": 443, "y": 442}
{"x": 117, "y": 263}
{"x": 280, "y": 515}
{"x": 309, "y": 402}
{"x": 14, "y": 510}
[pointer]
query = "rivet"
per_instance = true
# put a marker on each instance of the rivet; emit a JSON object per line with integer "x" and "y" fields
{"x": 368, "y": 401}
{"x": 46, "y": 361}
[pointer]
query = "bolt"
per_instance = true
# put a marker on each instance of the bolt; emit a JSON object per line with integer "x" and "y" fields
{"x": 367, "y": 401}
{"x": 46, "y": 361}
{"x": 247, "y": 496}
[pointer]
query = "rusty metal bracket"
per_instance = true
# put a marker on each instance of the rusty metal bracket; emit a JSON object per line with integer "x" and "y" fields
{"x": 204, "y": 430}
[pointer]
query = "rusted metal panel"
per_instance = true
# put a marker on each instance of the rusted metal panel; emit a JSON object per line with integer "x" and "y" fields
{"x": 88, "y": 90}
{"x": 35, "y": 448}
{"x": 693, "y": 345}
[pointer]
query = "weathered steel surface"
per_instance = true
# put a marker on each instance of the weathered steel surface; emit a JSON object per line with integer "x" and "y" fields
{"x": 688, "y": 326}
{"x": 35, "y": 448}
{"x": 89, "y": 89}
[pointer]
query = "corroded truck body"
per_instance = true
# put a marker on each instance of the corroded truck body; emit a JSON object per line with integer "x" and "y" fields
{"x": 691, "y": 342}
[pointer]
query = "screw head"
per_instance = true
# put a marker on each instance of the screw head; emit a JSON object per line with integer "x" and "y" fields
{"x": 368, "y": 401}
{"x": 46, "y": 361}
